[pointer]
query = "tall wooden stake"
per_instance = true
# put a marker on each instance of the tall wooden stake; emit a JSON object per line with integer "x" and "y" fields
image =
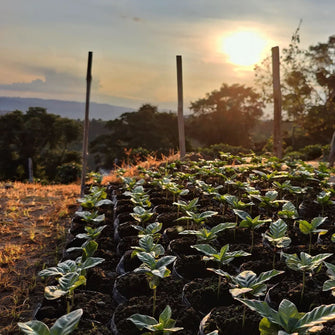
{"x": 86, "y": 122}
{"x": 181, "y": 130}
{"x": 277, "y": 139}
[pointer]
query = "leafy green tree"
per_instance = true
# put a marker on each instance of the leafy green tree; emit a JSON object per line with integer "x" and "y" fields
{"x": 148, "y": 129}
{"x": 308, "y": 89}
{"x": 43, "y": 137}
{"x": 226, "y": 115}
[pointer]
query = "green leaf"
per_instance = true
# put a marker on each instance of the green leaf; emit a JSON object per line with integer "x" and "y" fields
{"x": 53, "y": 292}
{"x": 165, "y": 315}
{"x": 142, "y": 321}
{"x": 61, "y": 269}
{"x": 34, "y": 327}
{"x": 154, "y": 227}
{"x": 278, "y": 229}
{"x": 71, "y": 281}
{"x": 261, "y": 307}
{"x": 103, "y": 202}
{"x": 235, "y": 292}
{"x": 165, "y": 261}
{"x": 90, "y": 248}
{"x": 147, "y": 258}
{"x": 241, "y": 214}
{"x": 223, "y": 226}
{"x": 265, "y": 276}
{"x": 91, "y": 262}
{"x": 288, "y": 315}
{"x": 161, "y": 272}
{"x": 330, "y": 269}
{"x": 328, "y": 285}
{"x": 205, "y": 248}
{"x": 317, "y": 316}
{"x": 66, "y": 323}
{"x": 268, "y": 328}
{"x": 305, "y": 227}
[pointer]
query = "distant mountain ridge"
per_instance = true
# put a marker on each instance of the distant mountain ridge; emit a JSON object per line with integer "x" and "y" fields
{"x": 70, "y": 109}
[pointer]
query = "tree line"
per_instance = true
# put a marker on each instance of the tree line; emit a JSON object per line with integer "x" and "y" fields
{"x": 226, "y": 115}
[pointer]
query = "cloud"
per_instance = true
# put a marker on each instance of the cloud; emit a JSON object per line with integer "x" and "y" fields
{"x": 52, "y": 81}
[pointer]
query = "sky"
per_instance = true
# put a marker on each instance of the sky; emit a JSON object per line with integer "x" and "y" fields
{"x": 45, "y": 45}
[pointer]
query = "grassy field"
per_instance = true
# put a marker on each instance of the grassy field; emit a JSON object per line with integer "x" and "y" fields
{"x": 33, "y": 224}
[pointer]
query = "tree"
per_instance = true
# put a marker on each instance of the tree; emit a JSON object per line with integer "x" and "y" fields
{"x": 46, "y": 138}
{"x": 308, "y": 87}
{"x": 226, "y": 115}
{"x": 145, "y": 130}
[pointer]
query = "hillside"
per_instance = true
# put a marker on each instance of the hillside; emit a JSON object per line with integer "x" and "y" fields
{"x": 70, "y": 109}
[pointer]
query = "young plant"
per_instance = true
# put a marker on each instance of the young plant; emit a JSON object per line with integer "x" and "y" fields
{"x": 63, "y": 325}
{"x": 268, "y": 200}
{"x": 222, "y": 257}
{"x": 164, "y": 325}
{"x": 176, "y": 190}
{"x": 251, "y": 223}
{"x": 130, "y": 183}
{"x": 276, "y": 236}
{"x": 309, "y": 228}
{"x": 185, "y": 206}
{"x": 138, "y": 196}
{"x": 306, "y": 263}
{"x": 207, "y": 189}
{"x": 287, "y": 187}
{"x": 96, "y": 177}
{"x": 91, "y": 216}
{"x": 234, "y": 203}
{"x": 197, "y": 218}
{"x": 154, "y": 269}
{"x": 324, "y": 199}
{"x": 247, "y": 283}
{"x": 207, "y": 235}
{"x": 151, "y": 229}
{"x": 141, "y": 214}
{"x": 70, "y": 275}
{"x": 287, "y": 320}
{"x": 91, "y": 234}
{"x": 288, "y": 211}
{"x": 96, "y": 198}
{"x": 146, "y": 244}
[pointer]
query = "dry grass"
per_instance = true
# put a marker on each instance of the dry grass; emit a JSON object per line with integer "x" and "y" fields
{"x": 33, "y": 224}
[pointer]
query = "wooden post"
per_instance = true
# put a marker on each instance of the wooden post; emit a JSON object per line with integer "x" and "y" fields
{"x": 86, "y": 123}
{"x": 277, "y": 140}
{"x": 181, "y": 130}
{"x": 30, "y": 170}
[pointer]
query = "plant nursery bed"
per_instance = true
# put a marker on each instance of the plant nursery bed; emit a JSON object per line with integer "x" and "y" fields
{"x": 223, "y": 248}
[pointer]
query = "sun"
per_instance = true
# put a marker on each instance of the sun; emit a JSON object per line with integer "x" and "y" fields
{"x": 244, "y": 48}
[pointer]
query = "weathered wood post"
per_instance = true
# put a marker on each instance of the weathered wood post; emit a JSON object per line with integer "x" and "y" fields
{"x": 277, "y": 139}
{"x": 86, "y": 123}
{"x": 181, "y": 130}
{"x": 30, "y": 170}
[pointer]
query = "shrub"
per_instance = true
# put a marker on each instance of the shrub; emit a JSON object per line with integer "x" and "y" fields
{"x": 68, "y": 173}
{"x": 312, "y": 151}
{"x": 214, "y": 150}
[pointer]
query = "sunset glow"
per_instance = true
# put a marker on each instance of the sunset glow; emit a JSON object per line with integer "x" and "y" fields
{"x": 244, "y": 48}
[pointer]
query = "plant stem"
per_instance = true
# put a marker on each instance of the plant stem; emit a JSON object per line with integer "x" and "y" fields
{"x": 154, "y": 302}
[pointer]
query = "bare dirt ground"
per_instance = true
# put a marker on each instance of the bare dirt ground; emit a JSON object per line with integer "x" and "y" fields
{"x": 33, "y": 224}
